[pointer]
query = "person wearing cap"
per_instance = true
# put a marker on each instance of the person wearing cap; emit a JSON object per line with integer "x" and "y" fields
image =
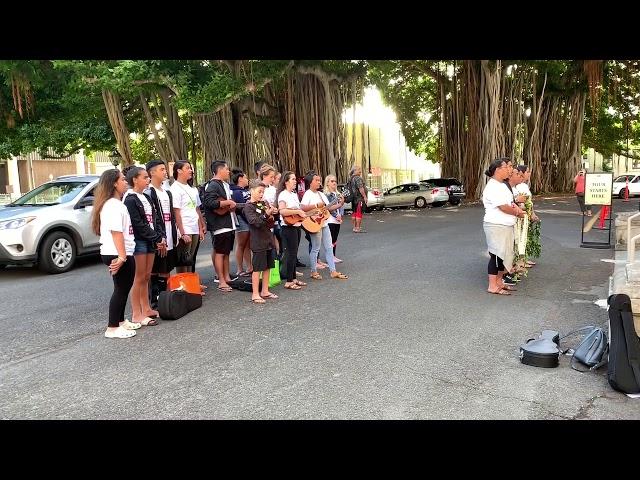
{"x": 163, "y": 203}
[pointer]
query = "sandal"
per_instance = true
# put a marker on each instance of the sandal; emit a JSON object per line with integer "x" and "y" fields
{"x": 339, "y": 275}
{"x": 273, "y": 296}
{"x": 292, "y": 286}
{"x": 500, "y": 291}
{"x": 530, "y": 263}
{"x": 148, "y": 322}
{"x": 225, "y": 289}
{"x": 316, "y": 276}
{"x": 301, "y": 284}
{"x": 130, "y": 325}
{"x": 508, "y": 288}
{"x": 258, "y": 300}
{"x": 120, "y": 333}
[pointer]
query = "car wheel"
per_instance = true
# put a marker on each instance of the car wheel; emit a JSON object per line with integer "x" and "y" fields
{"x": 455, "y": 201}
{"x": 57, "y": 253}
{"x": 621, "y": 194}
{"x": 420, "y": 202}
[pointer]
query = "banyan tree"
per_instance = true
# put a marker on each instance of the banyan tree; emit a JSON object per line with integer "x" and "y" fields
{"x": 286, "y": 112}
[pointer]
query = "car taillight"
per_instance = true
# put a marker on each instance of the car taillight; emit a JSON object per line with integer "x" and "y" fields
{"x": 434, "y": 191}
{"x": 446, "y": 189}
{"x": 376, "y": 192}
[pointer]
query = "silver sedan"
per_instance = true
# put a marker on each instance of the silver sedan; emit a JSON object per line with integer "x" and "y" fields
{"x": 413, "y": 195}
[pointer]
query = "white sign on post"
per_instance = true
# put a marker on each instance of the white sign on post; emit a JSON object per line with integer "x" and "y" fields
{"x": 598, "y": 188}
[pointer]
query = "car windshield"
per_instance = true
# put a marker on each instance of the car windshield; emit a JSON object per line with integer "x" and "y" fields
{"x": 51, "y": 194}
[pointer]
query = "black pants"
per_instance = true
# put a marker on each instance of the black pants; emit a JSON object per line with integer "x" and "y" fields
{"x": 583, "y": 207}
{"x": 495, "y": 265}
{"x": 122, "y": 283}
{"x": 335, "y": 231}
{"x": 290, "y": 242}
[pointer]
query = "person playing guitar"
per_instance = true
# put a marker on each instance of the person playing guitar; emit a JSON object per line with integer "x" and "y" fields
{"x": 289, "y": 205}
{"x": 316, "y": 200}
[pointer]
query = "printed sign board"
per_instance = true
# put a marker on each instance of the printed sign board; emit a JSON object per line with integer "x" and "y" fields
{"x": 598, "y": 188}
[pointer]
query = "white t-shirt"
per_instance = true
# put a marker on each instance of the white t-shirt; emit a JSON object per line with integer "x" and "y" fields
{"x": 270, "y": 195}
{"x": 166, "y": 215}
{"x": 291, "y": 201}
{"x": 333, "y": 219}
{"x": 494, "y": 195}
{"x": 521, "y": 189}
{"x": 114, "y": 216}
{"x": 148, "y": 211}
{"x": 234, "y": 220}
{"x": 313, "y": 198}
{"x": 186, "y": 199}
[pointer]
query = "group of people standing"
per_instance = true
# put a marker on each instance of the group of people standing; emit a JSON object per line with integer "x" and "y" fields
{"x": 147, "y": 229}
{"x": 508, "y": 221}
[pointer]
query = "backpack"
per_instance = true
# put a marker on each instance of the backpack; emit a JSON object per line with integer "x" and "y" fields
{"x": 347, "y": 193}
{"x": 592, "y": 351}
{"x": 624, "y": 350}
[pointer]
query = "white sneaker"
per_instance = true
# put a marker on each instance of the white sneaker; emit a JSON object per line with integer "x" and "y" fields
{"x": 120, "y": 333}
{"x": 130, "y": 325}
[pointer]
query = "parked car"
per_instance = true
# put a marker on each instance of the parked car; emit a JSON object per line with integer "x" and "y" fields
{"x": 453, "y": 186}
{"x": 418, "y": 195}
{"x": 375, "y": 199}
{"x": 620, "y": 185}
{"x": 51, "y": 225}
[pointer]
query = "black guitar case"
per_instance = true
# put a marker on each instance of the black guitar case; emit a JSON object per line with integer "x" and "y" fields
{"x": 177, "y": 303}
{"x": 624, "y": 346}
{"x": 541, "y": 352}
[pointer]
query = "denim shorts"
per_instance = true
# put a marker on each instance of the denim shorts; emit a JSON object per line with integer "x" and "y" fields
{"x": 243, "y": 226}
{"x": 143, "y": 246}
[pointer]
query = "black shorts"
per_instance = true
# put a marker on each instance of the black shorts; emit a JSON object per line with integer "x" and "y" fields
{"x": 261, "y": 261}
{"x": 164, "y": 264}
{"x": 223, "y": 242}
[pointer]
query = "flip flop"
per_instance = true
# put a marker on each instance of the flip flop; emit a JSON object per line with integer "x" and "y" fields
{"x": 299, "y": 283}
{"x": 509, "y": 288}
{"x": 258, "y": 300}
{"x": 225, "y": 289}
{"x": 530, "y": 263}
{"x": 499, "y": 292}
{"x": 148, "y": 322}
{"x": 293, "y": 286}
{"x": 271, "y": 295}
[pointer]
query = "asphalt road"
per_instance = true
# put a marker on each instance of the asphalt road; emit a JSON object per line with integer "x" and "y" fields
{"x": 411, "y": 335}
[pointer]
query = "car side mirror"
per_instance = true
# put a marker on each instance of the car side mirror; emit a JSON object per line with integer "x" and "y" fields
{"x": 85, "y": 202}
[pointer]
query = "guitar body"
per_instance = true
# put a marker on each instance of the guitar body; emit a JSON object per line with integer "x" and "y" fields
{"x": 292, "y": 219}
{"x": 315, "y": 223}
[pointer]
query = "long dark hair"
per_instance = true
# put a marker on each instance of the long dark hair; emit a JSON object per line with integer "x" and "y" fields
{"x": 178, "y": 166}
{"x": 104, "y": 191}
{"x": 283, "y": 180}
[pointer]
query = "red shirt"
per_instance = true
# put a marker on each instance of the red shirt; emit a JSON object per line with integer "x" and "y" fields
{"x": 580, "y": 184}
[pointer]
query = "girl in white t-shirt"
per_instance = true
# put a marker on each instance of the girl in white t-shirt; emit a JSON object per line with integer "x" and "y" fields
{"x": 314, "y": 199}
{"x": 110, "y": 219}
{"x": 289, "y": 205}
{"x": 499, "y": 220}
{"x": 267, "y": 176}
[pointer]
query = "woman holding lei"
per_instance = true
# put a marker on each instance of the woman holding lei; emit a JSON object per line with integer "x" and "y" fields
{"x": 530, "y": 241}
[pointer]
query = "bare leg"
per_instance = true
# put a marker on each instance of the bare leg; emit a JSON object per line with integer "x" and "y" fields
{"x": 219, "y": 267}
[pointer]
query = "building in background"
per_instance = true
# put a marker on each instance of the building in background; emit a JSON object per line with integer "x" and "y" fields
{"x": 23, "y": 173}
{"x": 617, "y": 164}
{"x": 380, "y": 146}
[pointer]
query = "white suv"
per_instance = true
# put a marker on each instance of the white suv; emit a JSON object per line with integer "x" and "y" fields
{"x": 50, "y": 225}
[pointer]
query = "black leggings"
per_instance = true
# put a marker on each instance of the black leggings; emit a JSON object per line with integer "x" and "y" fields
{"x": 122, "y": 283}
{"x": 335, "y": 230}
{"x": 290, "y": 242}
{"x": 495, "y": 265}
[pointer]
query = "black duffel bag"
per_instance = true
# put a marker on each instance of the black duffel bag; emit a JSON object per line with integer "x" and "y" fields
{"x": 177, "y": 303}
{"x": 624, "y": 353}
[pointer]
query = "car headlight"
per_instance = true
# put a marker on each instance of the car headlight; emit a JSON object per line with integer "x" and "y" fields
{"x": 15, "y": 223}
